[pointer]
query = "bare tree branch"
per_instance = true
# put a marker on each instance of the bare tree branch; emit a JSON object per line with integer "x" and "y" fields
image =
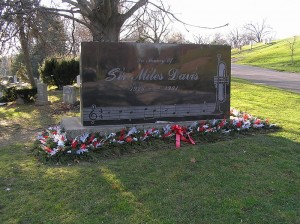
{"x": 130, "y": 12}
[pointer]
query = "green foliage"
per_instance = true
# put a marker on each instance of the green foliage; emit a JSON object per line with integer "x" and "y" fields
{"x": 11, "y": 94}
{"x": 276, "y": 55}
{"x": 27, "y": 94}
{"x": 59, "y": 71}
{"x": 50, "y": 40}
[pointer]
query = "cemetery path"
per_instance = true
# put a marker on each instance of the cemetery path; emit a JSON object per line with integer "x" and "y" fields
{"x": 285, "y": 80}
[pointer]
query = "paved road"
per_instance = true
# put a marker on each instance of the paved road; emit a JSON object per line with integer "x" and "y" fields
{"x": 284, "y": 80}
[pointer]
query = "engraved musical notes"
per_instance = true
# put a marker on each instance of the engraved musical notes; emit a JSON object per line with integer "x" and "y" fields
{"x": 151, "y": 112}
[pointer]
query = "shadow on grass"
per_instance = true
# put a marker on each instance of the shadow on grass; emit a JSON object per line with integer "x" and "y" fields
{"x": 250, "y": 178}
{"x": 21, "y": 122}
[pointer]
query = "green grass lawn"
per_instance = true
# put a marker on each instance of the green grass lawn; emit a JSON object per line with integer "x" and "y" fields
{"x": 249, "y": 179}
{"x": 276, "y": 55}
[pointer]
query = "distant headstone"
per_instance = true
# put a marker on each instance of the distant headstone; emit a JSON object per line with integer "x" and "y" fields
{"x": 130, "y": 83}
{"x": 15, "y": 79}
{"x": 36, "y": 81}
{"x": 19, "y": 100}
{"x": 42, "y": 94}
{"x": 78, "y": 80}
{"x": 69, "y": 94}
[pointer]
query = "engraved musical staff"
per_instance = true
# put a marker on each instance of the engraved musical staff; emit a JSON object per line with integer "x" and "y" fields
{"x": 100, "y": 115}
{"x": 120, "y": 112}
{"x": 145, "y": 110}
{"x": 147, "y": 113}
{"x": 130, "y": 115}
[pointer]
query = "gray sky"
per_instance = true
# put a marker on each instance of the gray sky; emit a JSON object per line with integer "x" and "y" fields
{"x": 282, "y": 16}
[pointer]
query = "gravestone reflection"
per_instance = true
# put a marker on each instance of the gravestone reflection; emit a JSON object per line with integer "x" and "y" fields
{"x": 128, "y": 83}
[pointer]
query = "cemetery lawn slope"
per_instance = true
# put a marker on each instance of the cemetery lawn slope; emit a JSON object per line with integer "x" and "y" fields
{"x": 276, "y": 55}
{"x": 246, "y": 179}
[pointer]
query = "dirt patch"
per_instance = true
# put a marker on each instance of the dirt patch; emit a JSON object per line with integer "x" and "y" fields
{"x": 23, "y": 130}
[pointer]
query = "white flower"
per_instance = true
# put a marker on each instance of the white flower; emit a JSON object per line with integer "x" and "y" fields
{"x": 235, "y": 112}
{"x": 81, "y": 151}
{"x": 214, "y": 122}
{"x": 111, "y": 135}
{"x": 98, "y": 145}
{"x": 61, "y": 143}
{"x": 132, "y": 131}
{"x": 226, "y": 131}
{"x": 246, "y": 125}
{"x": 84, "y": 137}
{"x": 53, "y": 152}
{"x": 167, "y": 129}
{"x": 258, "y": 125}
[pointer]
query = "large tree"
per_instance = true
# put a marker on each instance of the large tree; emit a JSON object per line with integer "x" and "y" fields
{"x": 153, "y": 27}
{"x": 17, "y": 19}
{"x": 37, "y": 34}
{"x": 105, "y": 18}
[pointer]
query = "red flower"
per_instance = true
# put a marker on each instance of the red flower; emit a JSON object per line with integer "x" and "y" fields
{"x": 257, "y": 121}
{"x": 128, "y": 139}
{"x": 222, "y": 123}
{"x": 74, "y": 144}
{"x": 122, "y": 135}
{"x": 95, "y": 143}
{"x": 91, "y": 139}
{"x": 48, "y": 149}
{"x": 246, "y": 116}
{"x": 239, "y": 124}
{"x": 201, "y": 129}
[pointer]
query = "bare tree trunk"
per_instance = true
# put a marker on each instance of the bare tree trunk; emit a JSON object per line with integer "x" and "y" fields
{"x": 25, "y": 49}
{"x": 110, "y": 33}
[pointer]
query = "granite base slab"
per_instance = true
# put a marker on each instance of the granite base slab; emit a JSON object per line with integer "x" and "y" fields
{"x": 73, "y": 126}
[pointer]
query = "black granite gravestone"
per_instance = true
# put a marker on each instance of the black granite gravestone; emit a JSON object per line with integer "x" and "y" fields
{"x": 126, "y": 83}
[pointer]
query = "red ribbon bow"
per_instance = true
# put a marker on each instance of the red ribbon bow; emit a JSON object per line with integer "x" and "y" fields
{"x": 179, "y": 131}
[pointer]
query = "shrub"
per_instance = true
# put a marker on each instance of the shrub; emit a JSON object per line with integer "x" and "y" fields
{"x": 11, "y": 94}
{"x": 59, "y": 71}
{"x": 28, "y": 95}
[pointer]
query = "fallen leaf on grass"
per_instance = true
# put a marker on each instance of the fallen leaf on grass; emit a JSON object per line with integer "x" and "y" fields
{"x": 193, "y": 160}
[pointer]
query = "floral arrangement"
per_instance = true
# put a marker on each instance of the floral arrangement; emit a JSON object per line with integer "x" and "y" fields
{"x": 54, "y": 141}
